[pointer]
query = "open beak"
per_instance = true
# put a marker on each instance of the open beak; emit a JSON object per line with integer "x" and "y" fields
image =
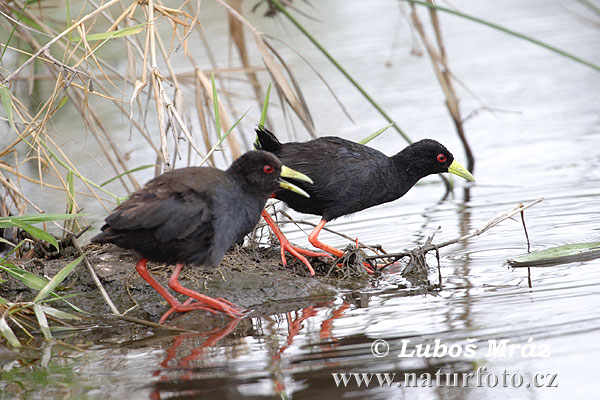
{"x": 287, "y": 172}
{"x": 457, "y": 169}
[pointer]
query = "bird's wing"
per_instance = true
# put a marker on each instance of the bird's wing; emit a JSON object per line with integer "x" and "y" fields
{"x": 173, "y": 205}
{"x": 341, "y": 165}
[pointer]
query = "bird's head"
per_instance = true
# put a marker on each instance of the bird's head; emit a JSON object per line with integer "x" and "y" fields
{"x": 261, "y": 172}
{"x": 428, "y": 157}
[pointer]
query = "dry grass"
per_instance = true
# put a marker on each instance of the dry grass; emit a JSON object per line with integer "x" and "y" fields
{"x": 153, "y": 85}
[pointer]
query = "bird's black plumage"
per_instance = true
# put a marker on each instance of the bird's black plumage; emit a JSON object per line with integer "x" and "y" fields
{"x": 193, "y": 215}
{"x": 348, "y": 176}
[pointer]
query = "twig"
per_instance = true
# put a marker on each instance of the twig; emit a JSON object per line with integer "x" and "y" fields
{"x": 528, "y": 248}
{"x": 525, "y": 229}
{"x": 488, "y": 225}
{"x": 95, "y": 278}
{"x": 153, "y": 324}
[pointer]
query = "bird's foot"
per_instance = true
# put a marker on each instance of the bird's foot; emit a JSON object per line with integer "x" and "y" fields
{"x": 190, "y": 305}
{"x": 185, "y": 307}
{"x": 220, "y": 304}
{"x": 367, "y": 266}
{"x": 312, "y": 238}
{"x": 299, "y": 253}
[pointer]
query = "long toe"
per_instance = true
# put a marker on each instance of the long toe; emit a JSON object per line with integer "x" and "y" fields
{"x": 185, "y": 307}
{"x": 298, "y": 253}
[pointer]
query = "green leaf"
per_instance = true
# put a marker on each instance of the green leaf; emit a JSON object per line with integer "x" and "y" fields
{"x": 63, "y": 101}
{"x": 15, "y": 248}
{"x": 216, "y": 106}
{"x": 128, "y": 172}
{"x": 57, "y": 279}
{"x": 28, "y": 279}
{"x": 558, "y": 255}
{"x": 130, "y": 30}
{"x": 216, "y": 146}
{"x": 59, "y": 314}
{"x": 8, "y": 242}
{"x": 37, "y": 233}
{"x": 7, "y": 104}
{"x": 71, "y": 187}
{"x": 263, "y": 114}
{"x": 374, "y": 135}
{"x": 8, "y": 334}
{"x": 36, "y": 218}
{"x": 42, "y": 321}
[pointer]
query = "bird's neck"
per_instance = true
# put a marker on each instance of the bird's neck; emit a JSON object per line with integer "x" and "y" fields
{"x": 405, "y": 172}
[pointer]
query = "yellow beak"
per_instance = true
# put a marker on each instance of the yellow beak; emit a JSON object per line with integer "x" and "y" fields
{"x": 457, "y": 169}
{"x": 287, "y": 172}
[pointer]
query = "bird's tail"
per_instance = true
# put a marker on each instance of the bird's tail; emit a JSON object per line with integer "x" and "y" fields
{"x": 266, "y": 140}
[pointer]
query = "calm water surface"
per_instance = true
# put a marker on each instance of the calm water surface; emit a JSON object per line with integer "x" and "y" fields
{"x": 543, "y": 141}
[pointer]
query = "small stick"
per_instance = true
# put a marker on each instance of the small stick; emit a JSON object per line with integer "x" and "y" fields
{"x": 437, "y": 256}
{"x": 95, "y": 278}
{"x": 528, "y": 247}
{"x": 153, "y": 324}
{"x": 525, "y": 229}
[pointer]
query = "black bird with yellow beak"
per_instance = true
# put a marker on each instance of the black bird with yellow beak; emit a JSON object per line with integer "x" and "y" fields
{"x": 349, "y": 177}
{"x": 192, "y": 216}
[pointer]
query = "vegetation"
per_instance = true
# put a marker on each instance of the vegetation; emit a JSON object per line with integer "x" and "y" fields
{"x": 124, "y": 77}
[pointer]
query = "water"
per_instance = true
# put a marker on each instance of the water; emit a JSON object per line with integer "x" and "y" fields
{"x": 541, "y": 142}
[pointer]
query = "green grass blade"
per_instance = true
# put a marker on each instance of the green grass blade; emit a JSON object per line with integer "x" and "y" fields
{"x": 263, "y": 114}
{"x": 508, "y": 31}
{"x": 126, "y": 173}
{"x": 8, "y": 334}
{"x": 27, "y": 278}
{"x": 73, "y": 306}
{"x": 64, "y": 165}
{"x": 42, "y": 321}
{"x": 594, "y": 8}
{"x": 216, "y": 106}
{"x": 374, "y": 135}
{"x": 353, "y": 81}
{"x": 15, "y": 248}
{"x": 35, "y": 218}
{"x": 71, "y": 188}
{"x": 59, "y": 314}
{"x": 12, "y": 32}
{"x": 7, "y": 105}
{"x": 57, "y": 279}
{"x": 37, "y": 233}
{"x": 8, "y": 242}
{"x": 216, "y": 146}
{"x": 128, "y": 31}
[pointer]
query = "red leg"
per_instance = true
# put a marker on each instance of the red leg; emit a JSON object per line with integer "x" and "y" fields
{"x": 143, "y": 271}
{"x": 176, "y": 306}
{"x": 313, "y": 238}
{"x": 214, "y": 304}
{"x": 287, "y": 246}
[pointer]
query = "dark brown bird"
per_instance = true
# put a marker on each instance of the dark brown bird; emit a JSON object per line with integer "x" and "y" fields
{"x": 349, "y": 177}
{"x": 192, "y": 216}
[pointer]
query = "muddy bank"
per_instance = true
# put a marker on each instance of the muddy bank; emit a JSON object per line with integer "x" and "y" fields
{"x": 252, "y": 278}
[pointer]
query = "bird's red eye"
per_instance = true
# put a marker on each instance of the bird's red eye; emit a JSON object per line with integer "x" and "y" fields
{"x": 268, "y": 169}
{"x": 442, "y": 157}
